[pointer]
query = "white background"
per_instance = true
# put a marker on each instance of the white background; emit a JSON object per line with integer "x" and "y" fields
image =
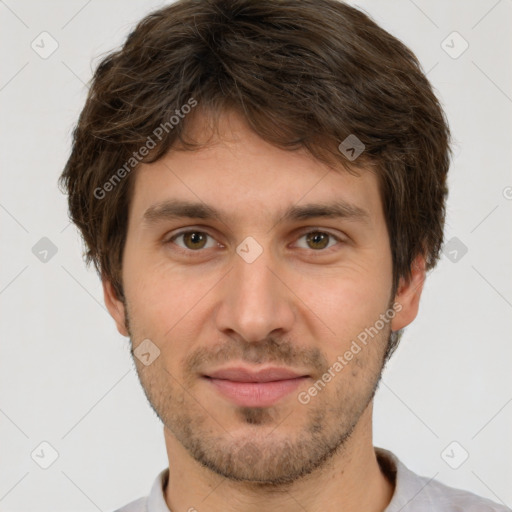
{"x": 66, "y": 376}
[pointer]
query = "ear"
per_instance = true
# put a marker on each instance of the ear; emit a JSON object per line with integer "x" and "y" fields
{"x": 114, "y": 306}
{"x": 408, "y": 295}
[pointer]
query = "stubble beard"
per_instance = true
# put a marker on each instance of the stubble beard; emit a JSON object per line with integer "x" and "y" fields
{"x": 268, "y": 454}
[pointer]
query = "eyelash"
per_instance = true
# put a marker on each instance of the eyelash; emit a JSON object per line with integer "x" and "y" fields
{"x": 190, "y": 252}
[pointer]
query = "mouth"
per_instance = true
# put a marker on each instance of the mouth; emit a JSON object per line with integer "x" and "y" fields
{"x": 250, "y": 388}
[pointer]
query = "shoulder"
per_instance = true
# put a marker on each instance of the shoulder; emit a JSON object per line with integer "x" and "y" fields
{"x": 450, "y": 499}
{"x": 155, "y": 501}
{"x": 415, "y": 493}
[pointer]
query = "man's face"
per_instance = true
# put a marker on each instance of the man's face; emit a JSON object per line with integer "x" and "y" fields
{"x": 210, "y": 301}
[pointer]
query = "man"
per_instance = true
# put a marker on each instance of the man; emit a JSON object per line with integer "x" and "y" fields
{"x": 262, "y": 186}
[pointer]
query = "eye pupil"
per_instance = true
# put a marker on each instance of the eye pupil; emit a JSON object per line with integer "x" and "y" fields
{"x": 317, "y": 237}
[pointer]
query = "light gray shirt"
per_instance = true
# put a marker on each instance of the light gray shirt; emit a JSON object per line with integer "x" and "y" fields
{"x": 413, "y": 493}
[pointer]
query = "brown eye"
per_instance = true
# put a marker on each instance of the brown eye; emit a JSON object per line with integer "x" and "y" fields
{"x": 193, "y": 240}
{"x": 317, "y": 239}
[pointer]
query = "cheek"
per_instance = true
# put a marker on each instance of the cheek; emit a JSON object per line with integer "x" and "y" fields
{"x": 151, "y": 283}
{"x": 165, "y": 304}
{"x": 350, "y": 304}
{"x": 347, "y": 298}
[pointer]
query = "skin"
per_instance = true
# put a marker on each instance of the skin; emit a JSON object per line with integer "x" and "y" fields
{"x": 299, "y": 304}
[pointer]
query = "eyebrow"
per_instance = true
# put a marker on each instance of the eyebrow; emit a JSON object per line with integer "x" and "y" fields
{"x": 172, "y": 209}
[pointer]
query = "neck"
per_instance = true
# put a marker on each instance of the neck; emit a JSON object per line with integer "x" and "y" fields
{"x": 351, "y": 480}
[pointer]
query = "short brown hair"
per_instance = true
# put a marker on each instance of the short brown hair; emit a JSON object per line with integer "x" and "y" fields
{"x": 303, "y": 73}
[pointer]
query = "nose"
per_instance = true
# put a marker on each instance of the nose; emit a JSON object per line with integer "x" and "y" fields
{"x": 256, "y": 301}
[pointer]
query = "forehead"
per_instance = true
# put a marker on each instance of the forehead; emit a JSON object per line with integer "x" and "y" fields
{"x": 237, "y": 174}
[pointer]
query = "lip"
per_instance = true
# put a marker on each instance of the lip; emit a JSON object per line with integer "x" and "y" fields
{"x": 261, "y": 388}
{"x": 239, "y": 374}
